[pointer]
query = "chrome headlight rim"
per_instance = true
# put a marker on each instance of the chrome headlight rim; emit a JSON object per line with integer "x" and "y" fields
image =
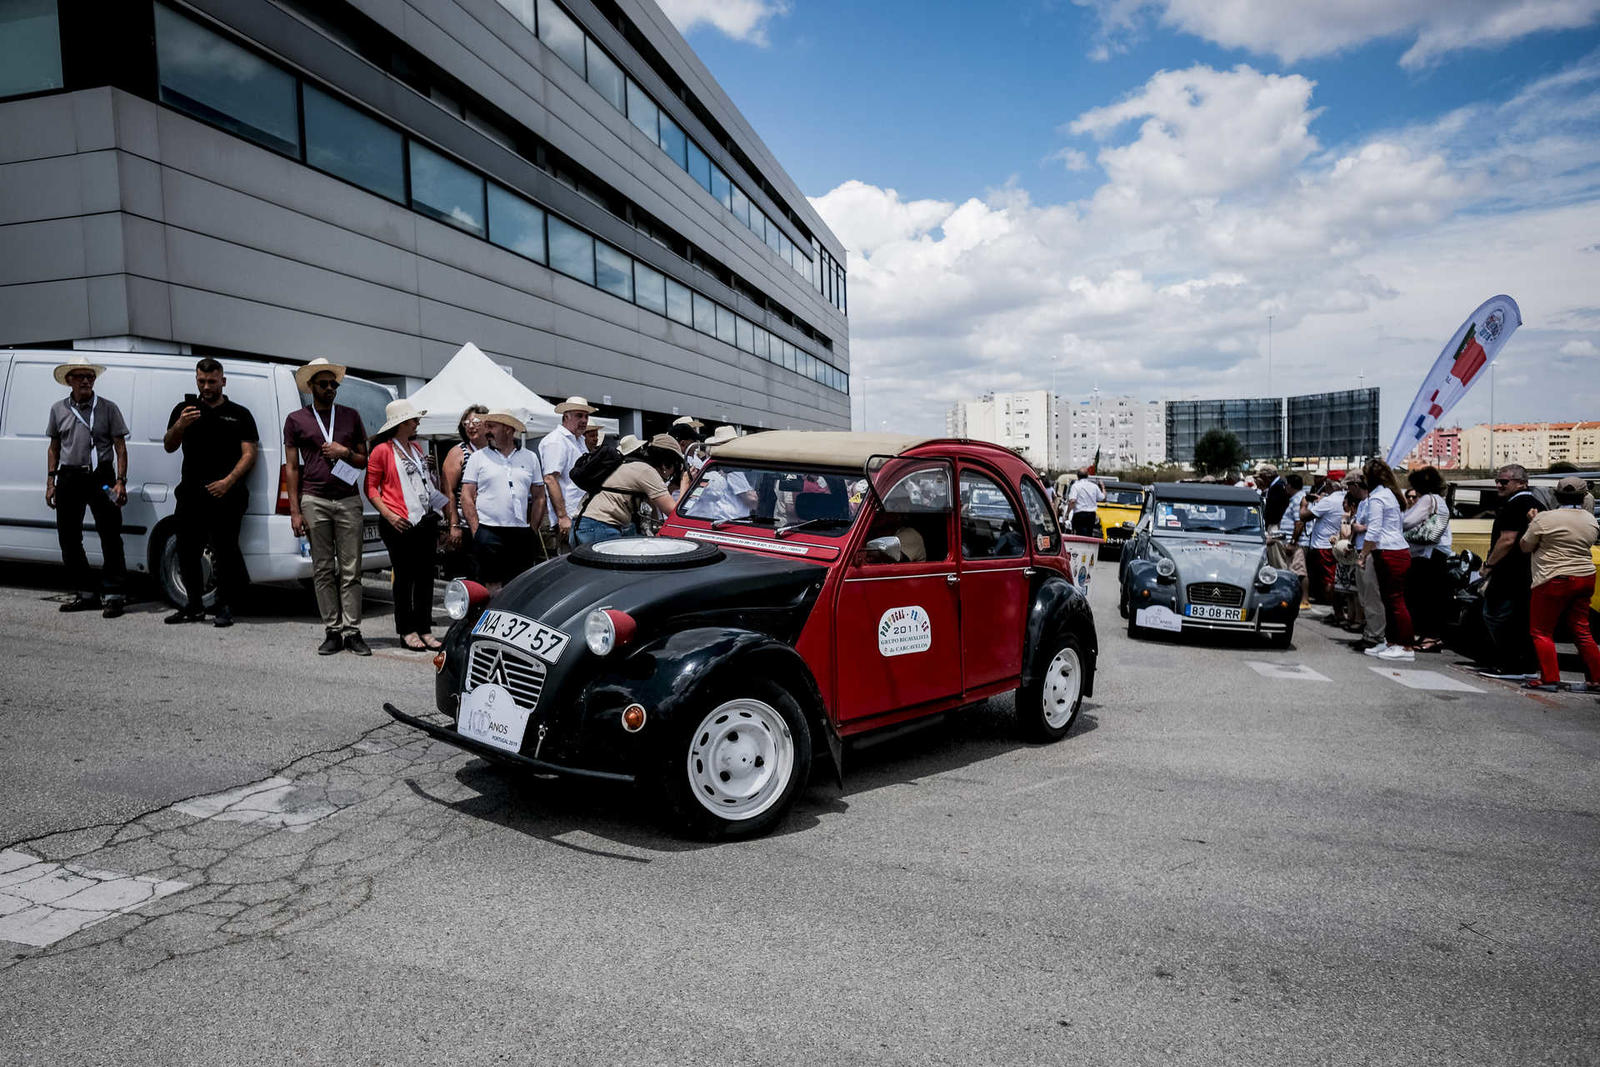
{"x": 599, "y": 632}
{"x": 457, "y": 599}
{"x": 1166, "y": 568}
{"x": 1267, "y": 576}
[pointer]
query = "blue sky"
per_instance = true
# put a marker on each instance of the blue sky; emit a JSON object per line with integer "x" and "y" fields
{"x": 1365, "y": 171}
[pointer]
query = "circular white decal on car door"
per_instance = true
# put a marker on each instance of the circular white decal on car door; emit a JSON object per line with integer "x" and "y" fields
{"x": 902, "y": 631}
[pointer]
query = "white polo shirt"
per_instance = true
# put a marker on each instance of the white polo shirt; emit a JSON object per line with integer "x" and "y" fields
{"x": 1327, "y": 515}
{"x": 558, "y": 451}
{"x": 504, "y": 484}
{"x": 1085, "y": 494}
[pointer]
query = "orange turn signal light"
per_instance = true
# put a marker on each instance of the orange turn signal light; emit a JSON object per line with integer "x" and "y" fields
{"x": 633, "y": 718}
{"x": 438, "y": 662}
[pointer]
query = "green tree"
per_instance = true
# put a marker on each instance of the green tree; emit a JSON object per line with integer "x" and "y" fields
{"x": 1561, "y": 466}
{"x": 1217, "y": 452}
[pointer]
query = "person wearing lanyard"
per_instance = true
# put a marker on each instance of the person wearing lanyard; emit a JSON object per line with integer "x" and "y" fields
{"x": 408, "y": 502}
{"x": 324, "y": 449}
{"x": 85, "y": 432}
{"x": 459, "y": 561}
{"x": 503, "y": 498}
{"x": 558, "y": 451}
{"x": 219, "y": 443}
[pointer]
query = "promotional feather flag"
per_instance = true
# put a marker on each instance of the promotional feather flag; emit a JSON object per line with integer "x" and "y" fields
{"x": 1461, "y": 364}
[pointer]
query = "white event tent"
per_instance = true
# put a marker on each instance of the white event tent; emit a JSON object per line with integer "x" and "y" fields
{"x": 471, "y": 377}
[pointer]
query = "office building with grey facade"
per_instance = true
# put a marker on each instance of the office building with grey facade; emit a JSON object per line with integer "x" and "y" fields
{"x": 380, "y": 181}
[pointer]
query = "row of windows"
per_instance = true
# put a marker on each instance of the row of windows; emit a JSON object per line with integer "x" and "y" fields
{"x": 563, "y": 36}
{"x": 216, "y": 80}
{"x": 30, "y": 47}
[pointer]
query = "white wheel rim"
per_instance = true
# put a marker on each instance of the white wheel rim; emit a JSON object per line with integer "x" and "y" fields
{"x": 741, "y": 759}
{"x": 1063, "y": 681}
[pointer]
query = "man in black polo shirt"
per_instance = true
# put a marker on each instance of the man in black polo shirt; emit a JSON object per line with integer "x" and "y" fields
{"x": 219, "y": 443}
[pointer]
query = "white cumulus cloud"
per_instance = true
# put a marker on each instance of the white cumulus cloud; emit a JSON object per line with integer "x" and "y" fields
{"x": 1309, "y": 28}
{"x": 743, "y": 20}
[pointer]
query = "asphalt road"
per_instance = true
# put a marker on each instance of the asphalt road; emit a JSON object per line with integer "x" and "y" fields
{"x": 1301, "y": 861}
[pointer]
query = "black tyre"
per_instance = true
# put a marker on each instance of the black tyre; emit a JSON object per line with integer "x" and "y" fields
{"x": 1048, "y": 706}
{"x": 734, "y": 770}
{"x": 1122, "y": 603}
{"x": 1285, "y": 639}
{"x": 1134, "y": 629}
{"x": 165, "y": 565}
{"x": 646, "y": 553}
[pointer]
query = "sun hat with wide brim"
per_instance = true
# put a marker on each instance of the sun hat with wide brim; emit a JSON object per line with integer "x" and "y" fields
{"x": 575, "y": 403}
{"x": 504, "y": 418}
{"x": 397, "y": 412}
{"x": 666, "y": 443}
{"x": 303, "y": 376}
{"x": 690, "y": 421}
{"x": 723, "y": 435}
{"x": 77, "y": 363}
{"x": 629, "y": 444}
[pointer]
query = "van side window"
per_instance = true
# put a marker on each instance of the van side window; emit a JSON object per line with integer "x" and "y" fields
{"x": 34, "y": 388}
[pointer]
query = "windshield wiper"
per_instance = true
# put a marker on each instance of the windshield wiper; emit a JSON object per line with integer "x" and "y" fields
{"x": 749, "y": 520}
{"x": 801, "y": 525}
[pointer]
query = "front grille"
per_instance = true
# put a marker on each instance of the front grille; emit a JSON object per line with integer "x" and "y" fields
{"x": 1215, "y": 593}
{"x": 521, "y": 676}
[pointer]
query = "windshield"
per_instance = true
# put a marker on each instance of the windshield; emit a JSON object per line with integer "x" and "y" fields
{"x": 1207, "y": 517}
{"x": 826, "y": 501}
{"x": 1131, "y": 498}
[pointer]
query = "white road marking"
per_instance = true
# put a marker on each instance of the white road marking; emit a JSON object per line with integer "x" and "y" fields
{"x": 271, "y": 801}
{"x": 42, "y": 902}
{"x": 1426, "y": 680}
{"x": 1294, "y": 672}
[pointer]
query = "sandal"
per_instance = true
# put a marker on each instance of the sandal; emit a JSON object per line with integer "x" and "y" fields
{"x": 1431, "y": 645}
{"x": 1543, "y": 687}
{"x": 431, "y": 643}
{"x": 417, "y": 647}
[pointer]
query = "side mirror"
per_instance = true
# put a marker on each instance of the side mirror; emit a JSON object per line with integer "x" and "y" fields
{"x": 887, "y": 547}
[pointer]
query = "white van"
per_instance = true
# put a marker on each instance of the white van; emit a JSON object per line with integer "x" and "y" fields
{"x": 146, "y": 386}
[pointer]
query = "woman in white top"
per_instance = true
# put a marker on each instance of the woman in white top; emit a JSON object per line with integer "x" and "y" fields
{"x": 1386, "y": 549}
{"x": 1427, "y": 588}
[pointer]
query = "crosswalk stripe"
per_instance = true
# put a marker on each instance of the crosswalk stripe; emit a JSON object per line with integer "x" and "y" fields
{"x": 1426, "y": 680}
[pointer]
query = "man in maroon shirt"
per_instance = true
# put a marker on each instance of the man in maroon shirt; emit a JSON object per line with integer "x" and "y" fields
{"x": 325, "y": 449}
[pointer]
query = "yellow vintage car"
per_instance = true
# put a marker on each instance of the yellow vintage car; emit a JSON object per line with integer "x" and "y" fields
{"x": 1473, "y": 506}
{"x": 1119, "y": 512}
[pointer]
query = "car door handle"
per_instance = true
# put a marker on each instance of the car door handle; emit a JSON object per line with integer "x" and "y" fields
{"x": 952, "y": 579}
{"x": 1029, "y": 572}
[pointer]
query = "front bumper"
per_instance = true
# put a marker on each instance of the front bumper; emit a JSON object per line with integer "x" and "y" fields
{"x": 1252, "y": 626}
{"x": 478, "y": 748}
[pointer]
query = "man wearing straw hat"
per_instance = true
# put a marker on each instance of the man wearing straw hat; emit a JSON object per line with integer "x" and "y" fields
{"x": 86, "y": 431}
{"x": 325, "y": 451}
{"x": 502, "y": 494}
{"x": 686, "y": 431}
{"x": 559, "y": 450}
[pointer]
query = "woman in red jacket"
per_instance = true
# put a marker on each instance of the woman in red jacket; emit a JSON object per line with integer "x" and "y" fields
{"x": 401, "y": 487}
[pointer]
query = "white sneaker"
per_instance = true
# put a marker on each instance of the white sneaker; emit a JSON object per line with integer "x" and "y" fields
{"x": 1376, "y": 650}
{"x": 1397, "y": 652}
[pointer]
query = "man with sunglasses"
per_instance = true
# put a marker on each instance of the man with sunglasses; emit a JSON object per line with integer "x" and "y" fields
{"x": 1505, "y": 601}
{"x": 88, "y": 440}
{"x": 325, "y": 451}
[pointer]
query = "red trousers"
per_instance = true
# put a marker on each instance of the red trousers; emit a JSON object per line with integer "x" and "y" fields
{"x": 1392, "y": 566}
{"x": 1320, "y": 569}
{"x": 1556, "y": 599}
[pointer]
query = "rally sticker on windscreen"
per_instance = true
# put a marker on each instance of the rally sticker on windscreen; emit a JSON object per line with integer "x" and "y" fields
{"x": 902, "y": 631}
{"x": 518, "y": 631}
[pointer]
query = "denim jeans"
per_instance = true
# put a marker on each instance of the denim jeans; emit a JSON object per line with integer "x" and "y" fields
{"x": 589, "y": 531}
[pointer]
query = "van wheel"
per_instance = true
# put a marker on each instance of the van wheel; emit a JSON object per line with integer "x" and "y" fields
{"x": 171, "y": 577}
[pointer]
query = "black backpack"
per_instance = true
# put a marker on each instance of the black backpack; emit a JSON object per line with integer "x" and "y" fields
{"x": 592, "y": 469}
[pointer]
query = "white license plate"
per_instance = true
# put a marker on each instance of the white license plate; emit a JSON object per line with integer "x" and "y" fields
{"x": 521, "y": 632}
{"x": 488, "y": 714}
{"x": 369, "y": 532}
{"x": 1207, "y": 611}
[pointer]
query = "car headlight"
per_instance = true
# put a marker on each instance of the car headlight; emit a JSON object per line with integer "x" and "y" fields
{"x": 598, "y": 632}
{"x": 461, "y": 596}
{"x": 1267, "y": 576}
{"x": 606, "y": 629}
{"x": 1166, "y": 568}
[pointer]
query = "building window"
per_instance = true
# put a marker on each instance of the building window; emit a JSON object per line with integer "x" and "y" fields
{"x": 726, "y": 332}
{"x": 516, "y": 224}
{"x": 613, "y": 271}
{"x": 606, "y": 77}
{"x": 643, "y": 113}
{"x": 705, "y": 315}
{"x": 680, "y": 303}
{"x": 30, "y": 47}
{"x": 741, "y": 205}
{"x": 674, "y": 142}
{"x": 649, "y": 287}
{"x": 521, "y": 10}
{"x": 445, "y": 190}
{"x": 351, "y": 145}
{"x": 721, "y": 187}
{"x": 561, "y": 35}
{"x": 217, "y": 81}
{"x": 699, "y": 166}
{"x": 571, "y": 250}
{"x": 744, "y": 334}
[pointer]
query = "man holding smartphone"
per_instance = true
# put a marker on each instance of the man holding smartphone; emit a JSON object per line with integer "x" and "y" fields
{"x": 219, "y": 442}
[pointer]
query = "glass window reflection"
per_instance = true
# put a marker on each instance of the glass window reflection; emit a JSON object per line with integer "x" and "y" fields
{"x": 699, "y": 166}
{"x": 571, "y": 250}
{"x": 354, "y": 146}
{"x": 606, "y": 76}
{"x": 643, "y": 113}
{"x": 680, "y": 303}
{"x": 649, "y": 288}
{"x": 674, "y": 142}
{"x": 561, "y": 35}
{"x": 705, "y": 314}
{"x": 516, "y": 224}
{"x": 221, "y": 83}
{"x": 613, "y": 271}
{"x": 445, "y": 190}
{"x": 30, "y": 47}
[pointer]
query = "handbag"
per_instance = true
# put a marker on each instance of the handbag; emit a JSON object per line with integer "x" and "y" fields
{"x": 1430, "y": 529}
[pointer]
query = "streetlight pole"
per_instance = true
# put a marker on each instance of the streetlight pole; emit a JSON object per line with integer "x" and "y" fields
{"x": 1269, "y": 355}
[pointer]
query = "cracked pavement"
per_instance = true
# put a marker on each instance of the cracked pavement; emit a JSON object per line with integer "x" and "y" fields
{"x": 218, "y": 849}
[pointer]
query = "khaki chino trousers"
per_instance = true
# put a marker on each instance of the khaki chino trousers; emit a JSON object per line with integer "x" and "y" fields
{"x": 334, "y": 529}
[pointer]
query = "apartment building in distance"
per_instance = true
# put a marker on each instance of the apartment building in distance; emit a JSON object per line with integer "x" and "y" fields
{"x": 1024, "y": 422}
{"x": 1123, "y": 430}
{"x": 1441, "y": 448}
{"x": 561, "y": 182}
{"x": 1535, "y": 445}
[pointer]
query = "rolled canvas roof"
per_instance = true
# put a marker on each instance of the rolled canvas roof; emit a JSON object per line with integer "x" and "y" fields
{"x": 830, "y": 448}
